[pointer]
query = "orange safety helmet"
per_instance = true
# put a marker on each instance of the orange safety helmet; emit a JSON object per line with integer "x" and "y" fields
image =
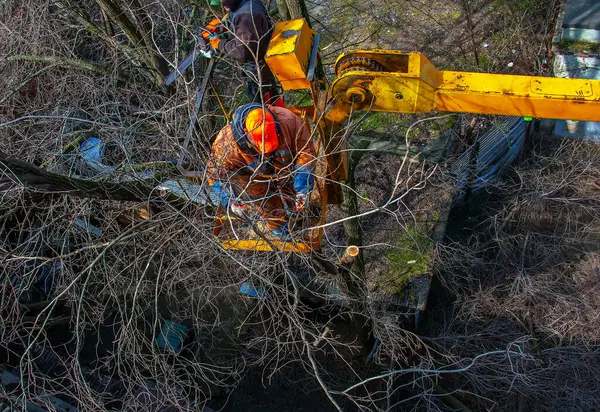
{"x": 261, "y": 129}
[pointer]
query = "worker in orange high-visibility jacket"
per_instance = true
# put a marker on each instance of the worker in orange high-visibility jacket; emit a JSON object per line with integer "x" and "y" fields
{"x": 265, "y": 159}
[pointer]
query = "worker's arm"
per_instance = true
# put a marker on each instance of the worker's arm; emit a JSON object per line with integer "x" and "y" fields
{"x": 218, "y": 166}
{"x": 243, "y": 46}
{"x": 209, "y": 36}
{"x": 304, "y": 167}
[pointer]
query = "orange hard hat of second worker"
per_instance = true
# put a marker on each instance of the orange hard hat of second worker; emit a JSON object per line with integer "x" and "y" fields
{"x": 262, "y": 130}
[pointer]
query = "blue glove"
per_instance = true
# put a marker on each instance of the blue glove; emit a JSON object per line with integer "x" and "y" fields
{"x": 283, "y": 233}
{"x": 219, "y": 194}
{"x": 304, "y": 179}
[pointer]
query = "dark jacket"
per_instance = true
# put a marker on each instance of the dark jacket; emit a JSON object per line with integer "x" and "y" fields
{"x": 251, "y": 30}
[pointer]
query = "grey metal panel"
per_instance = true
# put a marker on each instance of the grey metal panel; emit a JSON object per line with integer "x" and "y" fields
{"x": 582, "y": 14}
{"x": 574, "y": 34}
{"x": 578, "y": 20}
{"x": 498, "y": 148}
{"x": 582, "y": 67}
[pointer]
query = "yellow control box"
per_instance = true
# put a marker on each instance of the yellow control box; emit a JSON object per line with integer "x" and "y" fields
{"x": 288, "y": 55}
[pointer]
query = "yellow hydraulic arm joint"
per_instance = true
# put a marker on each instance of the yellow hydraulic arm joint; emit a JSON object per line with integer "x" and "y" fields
{"x": 392, "y": 81}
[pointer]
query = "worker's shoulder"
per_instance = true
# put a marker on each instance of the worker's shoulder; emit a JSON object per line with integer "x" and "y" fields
{"x": 225, "y": 136}
{"x": 282, "y": 114}
{"x": 253, "y": 7}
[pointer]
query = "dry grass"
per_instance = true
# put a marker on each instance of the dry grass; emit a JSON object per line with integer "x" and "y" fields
{"x": 529, "y": 277}
{"x": 501, "y": 32}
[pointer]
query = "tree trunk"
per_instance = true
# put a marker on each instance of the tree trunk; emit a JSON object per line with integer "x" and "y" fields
{"x": 356, "y": 284}
{"x": 293, "y": 9}
{"x": 32, "y": 176}
{"x": 154, "y": 61}
{"x": 141, "y": 49}
{"x": 284, "y": 12}
{"x": 352, "y": 227}
{"x": 298, "y": 10}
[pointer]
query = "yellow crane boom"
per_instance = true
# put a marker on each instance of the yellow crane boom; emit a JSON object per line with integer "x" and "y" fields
{"x": 392, "y": 81}
{"x": 396, "y": 82}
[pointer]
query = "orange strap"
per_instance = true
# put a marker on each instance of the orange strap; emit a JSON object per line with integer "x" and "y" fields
{"x": 214, "y": 42}
{"x": 215, "y": 26}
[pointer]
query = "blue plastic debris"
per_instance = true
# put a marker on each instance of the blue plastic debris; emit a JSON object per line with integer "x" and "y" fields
{"x": 372, "y": 353}
{"x": 87, "y": 227}
{"x": 251, "y": 291}
{"x": 219, "y": 195}
{"x": 336, "y": 296}
{"x": 48, "y": 277}
{"x": 171, "y": 336}
{"x": 92, "y": 149}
